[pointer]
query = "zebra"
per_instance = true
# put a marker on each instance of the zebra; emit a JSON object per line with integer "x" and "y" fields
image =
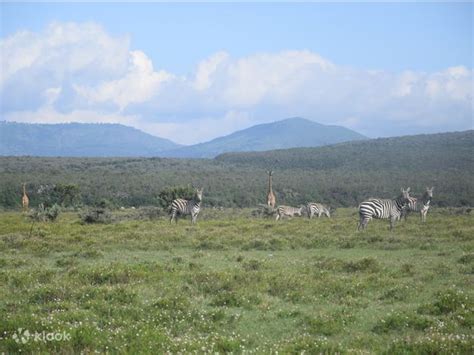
{"x": 287, "y": 211}
{"x": 421, "y": 205}
{"x": 183, "y": 207}
{"x": 382, "y": 208}
{"x": 317, "y": 208}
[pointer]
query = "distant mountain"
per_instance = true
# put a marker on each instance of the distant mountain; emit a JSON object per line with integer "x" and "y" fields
{"x": 289, "y": 133}
{"x": 79, "y": 139}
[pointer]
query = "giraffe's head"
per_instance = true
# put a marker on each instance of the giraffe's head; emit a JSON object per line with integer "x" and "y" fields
{"x": 270, "y": 172}
{"x": 405, "y": 195}
{"x": 198, "y": 194}
{"x": 429, "y": 192}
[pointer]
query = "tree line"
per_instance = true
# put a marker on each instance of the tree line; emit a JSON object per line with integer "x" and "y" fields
{"x": 341, "y": 175}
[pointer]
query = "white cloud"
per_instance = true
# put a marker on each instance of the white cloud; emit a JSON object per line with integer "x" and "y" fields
{"x": 79, "y": 72}
{"x": 64, "y": 49}
{"x": 206, "y": 69}
{"x": 138, "y": 85}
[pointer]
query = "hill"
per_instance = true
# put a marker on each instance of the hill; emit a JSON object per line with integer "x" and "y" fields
{"x": 425, "y": 152}
{"x": 340, "y": 175}
{"x": 289, "y": 133}
{"x": 78, "y": 139}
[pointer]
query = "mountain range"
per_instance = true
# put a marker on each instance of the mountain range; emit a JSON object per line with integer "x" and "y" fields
{"x": 115, "y": 140}
{"x": 79, "y": 140}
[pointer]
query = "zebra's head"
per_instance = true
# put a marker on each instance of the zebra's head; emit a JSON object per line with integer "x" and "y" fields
{"x": 301, "y": 210}
{"x": 198, "y": 194}
{"x": 405, "y": 195}
{"x": 328, "y": 212}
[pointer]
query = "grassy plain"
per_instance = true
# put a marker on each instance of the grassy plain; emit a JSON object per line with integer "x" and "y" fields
{"x": 234, "y": 283}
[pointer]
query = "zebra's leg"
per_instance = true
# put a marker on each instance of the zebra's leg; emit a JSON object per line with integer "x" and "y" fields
{"x": 364, "y": 223}
{"x": 173, "y": 215}
{"x": 193, "y": 218}
{"x": 277, "y": 217}
{"x": 404, "y": 214}
{"x": 392, "y": 222}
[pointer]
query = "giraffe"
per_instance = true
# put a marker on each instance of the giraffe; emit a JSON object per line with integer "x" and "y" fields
{"x": 25, "y": 201}
{"x": 270, "y": 196}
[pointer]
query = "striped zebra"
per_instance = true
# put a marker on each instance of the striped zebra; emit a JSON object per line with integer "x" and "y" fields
{"x": 382, "y": 208}
{"x": 319, "y": 209}
{"x": 183, "y": 207}
{"x": 421, "y": 205}
{"x": 287, "y": 211}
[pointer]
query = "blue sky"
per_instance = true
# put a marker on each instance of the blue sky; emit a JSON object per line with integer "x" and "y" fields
{"x": 198, "y": 71}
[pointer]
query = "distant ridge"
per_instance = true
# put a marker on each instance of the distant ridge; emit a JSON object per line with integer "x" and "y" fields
{"x": 289, "y": 133}
{"x": 427, "y": 152}
{"x": 79, "y": 140}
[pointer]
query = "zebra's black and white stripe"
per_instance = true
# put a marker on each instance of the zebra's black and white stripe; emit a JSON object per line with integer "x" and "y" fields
{"x": 421, "y": 204}
{"x": 318, "y": 209}
{"x": 288, "y": 211}
{"x": 383, "y": 209}
{"x": 183, "y": 207}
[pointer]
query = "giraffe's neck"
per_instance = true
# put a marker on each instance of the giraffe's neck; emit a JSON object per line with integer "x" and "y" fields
{"x": 425, "y": 199}
{"x": 24, "y": 190}
{"x": 270, "y": 184}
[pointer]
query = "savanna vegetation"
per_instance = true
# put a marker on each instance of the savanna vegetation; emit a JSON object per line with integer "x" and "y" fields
{"x": 236, "y": 283}
{"x": 341, "y": 175}
{"x": 124, "y": 280}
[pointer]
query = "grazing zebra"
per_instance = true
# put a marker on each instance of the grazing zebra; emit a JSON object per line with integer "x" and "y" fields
{"x": 382, "y": 208}
{"x": 317, "y": 208}
{"x": 186, "y": 207}
{"x": 287, "y": 211}
{"x": 421, "y": 204}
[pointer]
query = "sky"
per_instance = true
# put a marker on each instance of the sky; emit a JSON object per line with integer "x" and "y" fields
{"x": 191, "y": 72}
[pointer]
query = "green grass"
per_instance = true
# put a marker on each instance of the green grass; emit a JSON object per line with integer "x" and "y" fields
{"x": 233, "y": 283}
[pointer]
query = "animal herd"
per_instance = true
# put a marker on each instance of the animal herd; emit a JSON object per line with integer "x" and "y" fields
{"x": 392, "y": 209}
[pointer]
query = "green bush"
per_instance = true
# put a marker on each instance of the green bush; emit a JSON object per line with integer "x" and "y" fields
{"x": 45, "y": 214}
{"x": 96, "y": 215}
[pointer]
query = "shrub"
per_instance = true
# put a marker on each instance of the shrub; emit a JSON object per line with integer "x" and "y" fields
{"x": 150, "y": 213}
{"x": 400, "y": 321}
{"x": 264, "y": 211}
{"x": 96, "y": 215}
{"x": 448, "y": 301}
{"x": 45, "y": 214}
